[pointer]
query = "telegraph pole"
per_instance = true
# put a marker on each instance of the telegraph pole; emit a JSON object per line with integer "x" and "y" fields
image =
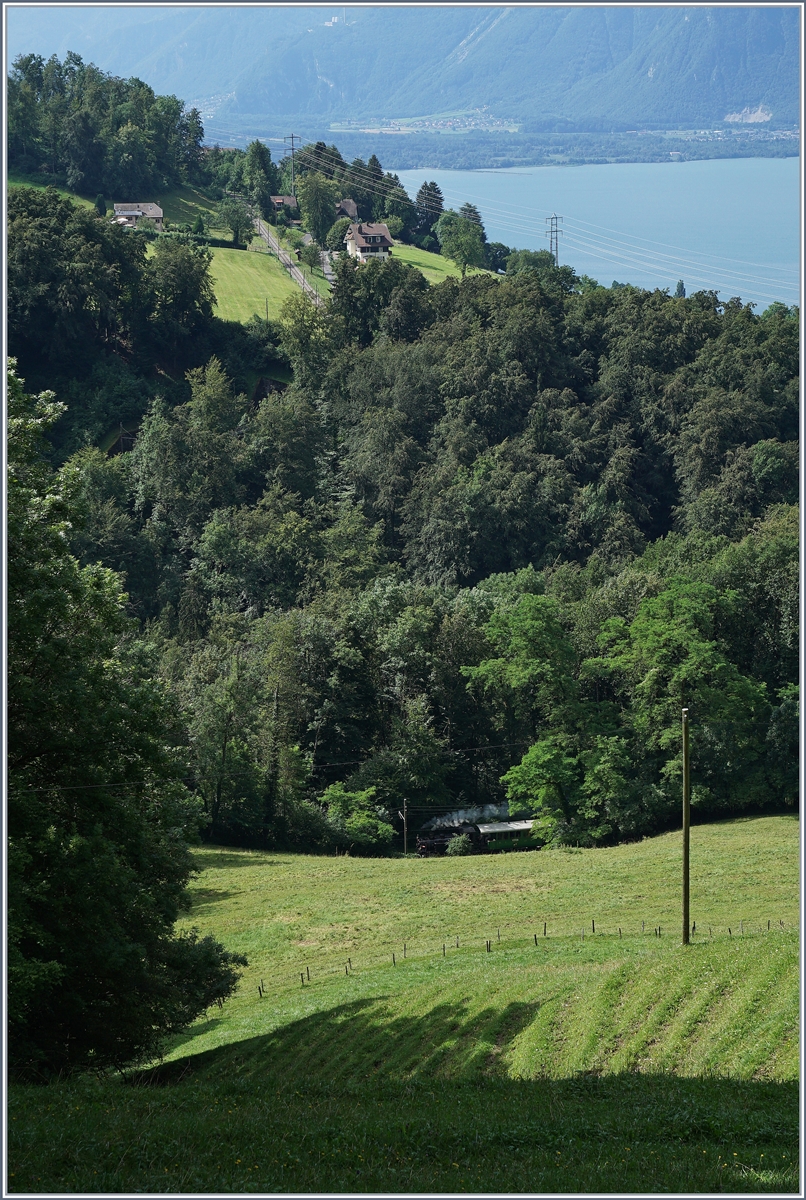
{"x": 554, "y": 234}
{"x": 404, "y": 815}
{"x": 686, "y": 826}
{"x": 290, "y": 138}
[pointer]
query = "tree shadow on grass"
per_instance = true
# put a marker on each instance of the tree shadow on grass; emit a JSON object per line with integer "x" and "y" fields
{"x": 450, "y": 1058}
{"x": 216, "y": 858}
{"x": 208, "y": 897}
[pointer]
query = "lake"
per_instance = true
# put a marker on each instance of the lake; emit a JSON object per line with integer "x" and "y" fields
{"x": 731, "y": 225}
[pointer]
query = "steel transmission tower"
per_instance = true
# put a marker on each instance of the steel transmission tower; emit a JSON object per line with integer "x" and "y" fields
{"x": 554, "y": 234}
{"x": 291, "y": 138}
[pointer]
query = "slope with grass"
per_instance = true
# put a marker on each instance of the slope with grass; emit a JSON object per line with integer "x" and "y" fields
{"x": 433, "y": 266}
{"x": 557, "y": 1063}
{"x": 244, "y": 281}
{"x": 183, "y": 204}
{"x": 17, "y": 179}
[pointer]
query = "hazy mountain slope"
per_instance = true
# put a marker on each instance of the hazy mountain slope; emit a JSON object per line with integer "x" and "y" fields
{"x": 626, "y": 65}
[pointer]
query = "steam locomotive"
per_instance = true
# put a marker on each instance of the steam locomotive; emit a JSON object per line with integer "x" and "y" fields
{"x": 485, "y": 836}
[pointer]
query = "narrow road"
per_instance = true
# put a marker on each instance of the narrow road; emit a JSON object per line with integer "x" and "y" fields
{"x": 285, "y": 259}
{"x": 327, "y": 267}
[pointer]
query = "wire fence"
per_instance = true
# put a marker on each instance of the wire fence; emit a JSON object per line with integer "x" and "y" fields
{"x": 311, "y": 970}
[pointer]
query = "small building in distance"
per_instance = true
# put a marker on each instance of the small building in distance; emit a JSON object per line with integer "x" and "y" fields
{"x": 135, "y": 210}
{"x": 365, "y": 240}
{"x": 347, "y": 208}
{"x": 279, "y": 202}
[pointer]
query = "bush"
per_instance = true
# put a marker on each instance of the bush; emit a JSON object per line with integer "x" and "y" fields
{"x": 356, "y": 821}
{"x": 461, "y": 844}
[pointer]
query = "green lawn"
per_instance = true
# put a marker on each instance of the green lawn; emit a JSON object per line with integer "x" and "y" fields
{"x": 243, "y": 280}
{"x": 16, "y": 179}
{"x": 546, "y": 1064}
{"x": 433, "y": 266}
{"x": 181, "y": 205}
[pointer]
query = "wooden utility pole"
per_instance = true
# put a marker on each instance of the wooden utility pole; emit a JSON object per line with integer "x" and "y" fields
{"x": 686, "y": 826}
{"x": 404, "y": 815}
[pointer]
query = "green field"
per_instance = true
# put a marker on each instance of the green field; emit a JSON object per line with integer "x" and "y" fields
{"x": 181, "y": 205}
{"x": 433, "y": 266}
{"x": 556, "y": 1063}
{"x": 244, "y": 280}
{"x": 15, "y": 179}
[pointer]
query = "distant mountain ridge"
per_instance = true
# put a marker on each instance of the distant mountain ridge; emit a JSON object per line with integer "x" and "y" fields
{"x": 593, "y": 66}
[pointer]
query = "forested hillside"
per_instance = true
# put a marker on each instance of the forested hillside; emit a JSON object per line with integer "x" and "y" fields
{"x": 437, "y": 545}
{"x": 486, "y": 544}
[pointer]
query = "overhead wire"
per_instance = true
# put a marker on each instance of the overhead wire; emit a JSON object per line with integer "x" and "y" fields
{"x": 621, "y": 253}
{"x": 614, "y": 250}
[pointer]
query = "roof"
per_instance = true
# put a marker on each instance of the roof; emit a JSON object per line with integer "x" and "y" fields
{"x": 348, "y": 207}
{"x": 506, "y": 827}
{"x": 138, "y": 208}
{"x": 290, "y": 201}
{"x": 367, "y": 233}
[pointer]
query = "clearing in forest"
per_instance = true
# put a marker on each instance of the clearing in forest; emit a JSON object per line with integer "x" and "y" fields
{"x": 244, "y": 280}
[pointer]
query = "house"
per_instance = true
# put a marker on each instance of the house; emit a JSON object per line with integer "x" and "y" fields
{"x": 365, "y": 240}
{"x": 347, "y": 208}
{"x": 283, "y": 202}
{"x": 132, "y": 212}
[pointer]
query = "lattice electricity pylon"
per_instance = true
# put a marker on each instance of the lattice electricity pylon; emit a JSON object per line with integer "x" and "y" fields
{"x": 554, "y": 234}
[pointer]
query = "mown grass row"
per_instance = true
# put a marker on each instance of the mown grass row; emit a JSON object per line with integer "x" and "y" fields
{"x": 726, "y": 1008}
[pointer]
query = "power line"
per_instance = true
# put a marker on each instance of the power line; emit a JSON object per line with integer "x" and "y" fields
{"x": 619, "y": 253}
{"x": 628, "y": 254}
{"x": 290, "y": 138}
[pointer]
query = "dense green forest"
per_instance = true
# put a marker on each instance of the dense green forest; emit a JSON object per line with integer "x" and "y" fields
{"x": 490, "y": 539}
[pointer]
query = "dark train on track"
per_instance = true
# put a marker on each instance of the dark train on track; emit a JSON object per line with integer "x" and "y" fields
{"x": 485, "y": 836}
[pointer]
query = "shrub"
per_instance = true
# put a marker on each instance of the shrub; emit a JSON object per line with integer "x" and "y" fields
{"x": 461, "y": 844}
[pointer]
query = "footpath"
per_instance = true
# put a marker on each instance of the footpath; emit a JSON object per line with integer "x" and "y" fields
{"x": 286, "y": 261}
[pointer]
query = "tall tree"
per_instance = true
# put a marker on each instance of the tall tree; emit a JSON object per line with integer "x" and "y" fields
{"x": 317, "y": 200}
{"x": 461, "y": 240}
{"x": 233, "y": 214}
{"x": 429, "y": 204}
{"x": 260, "y": 177}
{"x": 98, "y": 818}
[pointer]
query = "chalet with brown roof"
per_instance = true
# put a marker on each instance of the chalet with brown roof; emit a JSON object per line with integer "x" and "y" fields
{"x": 347, "y": 208}
{"x": 134, "y": 210}
{"x": 365, "y": 240}
{"x": 283, "y": 202}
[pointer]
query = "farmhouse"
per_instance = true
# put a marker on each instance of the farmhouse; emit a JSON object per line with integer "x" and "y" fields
{"x": 365, "y": 240}
{"x": 347, "y": 208}
{"x": 134, "y": 211}
{"x": 283, "y": 202}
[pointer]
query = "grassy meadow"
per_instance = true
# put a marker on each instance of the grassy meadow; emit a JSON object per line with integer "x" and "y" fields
{"x": 433, "y": 266}
{"x": 613, "y": 1062}
{"x": 244, "y": 280}
{"x": 17, "y": 179}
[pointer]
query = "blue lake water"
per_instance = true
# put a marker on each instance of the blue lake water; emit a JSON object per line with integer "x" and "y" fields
{"x": 731, "y": 225}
